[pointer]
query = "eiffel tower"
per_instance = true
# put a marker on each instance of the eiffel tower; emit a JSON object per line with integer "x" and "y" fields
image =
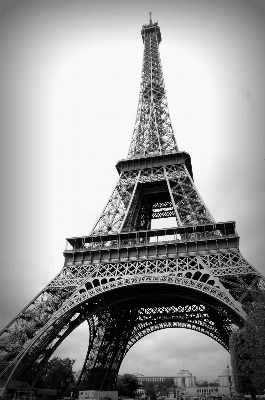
{"x": 128, "y": 280}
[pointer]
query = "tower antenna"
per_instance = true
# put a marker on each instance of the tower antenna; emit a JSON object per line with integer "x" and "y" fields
{"x": 150, "y": 18}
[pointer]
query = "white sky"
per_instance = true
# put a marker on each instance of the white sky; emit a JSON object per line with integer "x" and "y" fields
{"x": 70, "y": 79}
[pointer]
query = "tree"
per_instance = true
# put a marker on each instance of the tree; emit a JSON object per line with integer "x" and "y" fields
{"x": 127, "y": 385}
{"x": 202, "y": 383}
{"x": 148, "y": 387}
{"x": 169, "y": 383}
{"x": 240, "y": 361}
{"x": 159, "y": 388}
{"x": 214, "y": 384}
{"x": 57, "y": 374}
{"x": 247, "y": 348}
{"x": 30, "y": 321}
{"x": 165, "y": 386}
{"x": 255, "y": 340}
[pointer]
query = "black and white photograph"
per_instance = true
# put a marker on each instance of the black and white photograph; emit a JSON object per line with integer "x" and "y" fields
{"x": 132, "y": 199}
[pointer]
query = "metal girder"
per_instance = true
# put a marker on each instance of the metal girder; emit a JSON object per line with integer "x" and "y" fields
{"x": 117, "y": 207}
{"x": 153, "y": 131}
{"x": 114, "y": 329}
{"x": 198, "y": 317}
{"x": 131, "y": 204}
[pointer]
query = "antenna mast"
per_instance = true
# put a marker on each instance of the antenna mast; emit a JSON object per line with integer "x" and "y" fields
{"x": 150, "y": 18}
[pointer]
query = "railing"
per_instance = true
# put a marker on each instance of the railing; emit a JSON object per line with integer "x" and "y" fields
{"x": 145, "y": 238}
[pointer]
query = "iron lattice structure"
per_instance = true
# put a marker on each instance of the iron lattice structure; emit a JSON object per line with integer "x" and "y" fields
{"x": 126, "y": 279}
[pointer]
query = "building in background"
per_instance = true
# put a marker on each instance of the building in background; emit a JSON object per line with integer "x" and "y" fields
{"x": 186, "y": 384}
{"x": 185, "y": 379}
{"x": 208, "y": 391}
{"x": 226, "y": 387}
{"x": 226, "y": 377}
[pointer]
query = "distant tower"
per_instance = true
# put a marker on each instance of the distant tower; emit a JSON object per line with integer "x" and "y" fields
{"x": 128, "y": 280}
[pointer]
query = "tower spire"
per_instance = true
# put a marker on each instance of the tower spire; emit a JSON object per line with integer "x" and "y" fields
{"x": 153, "y": 133}
{"x": 150, "y": 18}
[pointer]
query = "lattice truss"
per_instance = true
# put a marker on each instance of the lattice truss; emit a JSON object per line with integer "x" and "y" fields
{"x": 197, "y": 317}
{"x": 75, "y": 295}
{"x": 105, "y": 353}
{"x": 118, "y": 331}
{"x": 190, "y": 206}
{"x": 153, "y": 132}
{"x": 140, "y": 196}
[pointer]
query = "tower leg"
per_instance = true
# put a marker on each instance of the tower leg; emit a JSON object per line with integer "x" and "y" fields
{"x": 104, "y": 357}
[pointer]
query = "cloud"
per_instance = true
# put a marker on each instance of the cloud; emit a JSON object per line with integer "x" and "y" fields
{"x": 167, "y": 351}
